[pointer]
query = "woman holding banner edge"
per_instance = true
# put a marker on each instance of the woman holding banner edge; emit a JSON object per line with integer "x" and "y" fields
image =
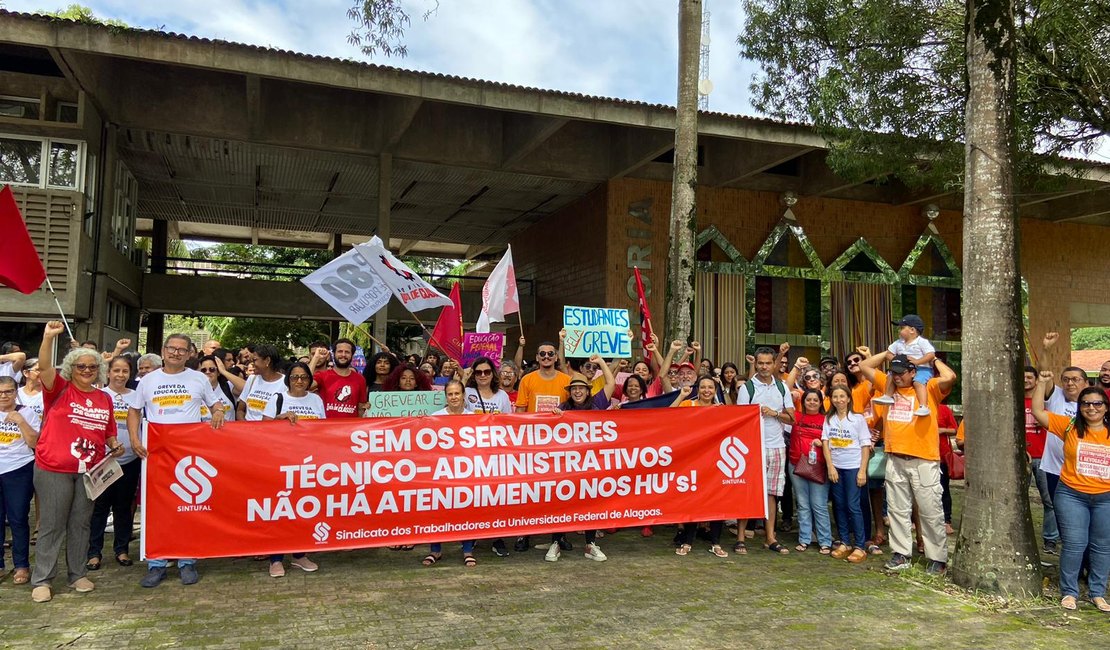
{"x": 456, "y": 405}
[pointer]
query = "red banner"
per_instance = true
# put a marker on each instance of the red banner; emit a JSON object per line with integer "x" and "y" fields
{"x": 270, "y": 487}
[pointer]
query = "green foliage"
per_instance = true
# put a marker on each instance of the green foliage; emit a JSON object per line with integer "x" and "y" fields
{"x": 282, "y": 334}
{"x": 1090, "y": 338}
{"x": 83, "y": 14}
{"x": 300, "y": 261}
{"x": 884, "y": 80}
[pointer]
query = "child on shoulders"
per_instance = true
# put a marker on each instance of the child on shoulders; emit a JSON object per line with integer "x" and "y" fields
{"x": 920, "y": 353}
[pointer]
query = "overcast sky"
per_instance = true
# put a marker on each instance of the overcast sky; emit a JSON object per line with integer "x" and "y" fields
{"x": 613, "y": 48}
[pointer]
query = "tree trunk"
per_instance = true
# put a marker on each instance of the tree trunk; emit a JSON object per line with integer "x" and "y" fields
{"x": 683, "y": 222}
{"x": 996, "y": 550}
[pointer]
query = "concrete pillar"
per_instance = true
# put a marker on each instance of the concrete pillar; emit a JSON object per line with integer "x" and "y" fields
{"x": 159, "y": 246}
{"x": 385, "y": 184}
{"x": 155, "y": 331}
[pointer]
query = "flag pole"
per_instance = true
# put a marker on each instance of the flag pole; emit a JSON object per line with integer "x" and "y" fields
{"x": 57, "y": 304}
{"x": 365, "y": 331}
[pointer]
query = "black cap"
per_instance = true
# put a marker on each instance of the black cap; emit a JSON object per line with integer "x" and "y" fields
{"x": 913, "y": 320}
{"x": 832, "y": 360}
{"x": 901, "y": 363}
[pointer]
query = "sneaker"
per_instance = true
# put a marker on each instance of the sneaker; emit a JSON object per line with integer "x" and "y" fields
{"x": 564, "y": 544}
{"x": 936, "y": 568}
{"x": 897, "y": 562}
{"x": 188, "y": 573}
{"x": 521, "y": 544}
{"x": 593, "y": 552}
{"x": 83, "y": 585}
{"x": 499, "y": 548}
{"x": 646, "y": 531}
{"x": 1050, "y": 547}
{"x": 277, "y": 570}
{"x": 553, "y": 552}
{"x": 882, "y": 399}
{"x": 922, "y": 412}
{"x": 41, "y": 594}
{"x": 304, "y": 564}
{"x": 154, "y": 577}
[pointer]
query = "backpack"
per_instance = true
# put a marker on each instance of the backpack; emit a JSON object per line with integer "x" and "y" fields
{"x": 278, "y": 403}
{"x": 750, "y": 387}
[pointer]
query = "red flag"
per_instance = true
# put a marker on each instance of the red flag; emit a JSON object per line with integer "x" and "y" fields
{"x": 447, "y": 335}
{"x": 20, "y": 266}
{"x": 645, "y": 313}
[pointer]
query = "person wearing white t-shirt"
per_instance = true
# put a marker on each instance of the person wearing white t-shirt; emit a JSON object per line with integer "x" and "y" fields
{"x": 173, "y": 394}
{"x": 456, "y": 405}
{"x": 18, "y": 428}
{"x": 1062, "y": 401}
{"x": 266, "y": 382}
{"x": 294, "y": 403}
{"x": 846, "y": 439}
{"x": 30, "y": 395}
{"x": 483, "y": 388}
{"x": 11, "y": 361}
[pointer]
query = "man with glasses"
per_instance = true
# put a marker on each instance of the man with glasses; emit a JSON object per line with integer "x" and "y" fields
{"x": 342, "y": 389}
{"x": 173, "y": 394}
{"x": 546, "y": 388}
{"x": 913, "y": 458}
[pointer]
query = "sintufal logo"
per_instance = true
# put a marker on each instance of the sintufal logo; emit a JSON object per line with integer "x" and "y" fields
{"x": 733, "y": 457}
{"x": 193, "y": 485}
{"x": 321, "y": 532}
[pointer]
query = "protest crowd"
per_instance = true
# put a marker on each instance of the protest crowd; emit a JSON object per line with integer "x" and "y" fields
{"x": 869, "y": 434}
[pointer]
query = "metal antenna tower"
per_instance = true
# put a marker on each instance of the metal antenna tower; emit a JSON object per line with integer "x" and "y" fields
{"x": 705, "y": 86}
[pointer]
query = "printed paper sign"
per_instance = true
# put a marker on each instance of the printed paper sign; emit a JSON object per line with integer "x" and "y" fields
{"x": 490, "y": 345}
{"x": 398, "y": 403}
{"x": 349, "y": 286}
{"x": 338, "y": 484}
{"x": 1092, "y": 460}
{"x": 592, "y": 330}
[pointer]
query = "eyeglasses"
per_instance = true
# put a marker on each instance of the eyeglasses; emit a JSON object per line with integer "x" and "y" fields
{"x": 545, "y": 354}
{"x": 208, "y": 371}
{"x": 31, "y": 369}
{"x": 854, "y": 361}
{"x": 483, "y": 372}
{"x": 86, "y": 367}
{"x": 7, "y": 393}
{"x": 299, "y": 378}
{"x": 1092, "y": 405}
{"x": 811, "y": 377}
{"x": 1072, "y": 380}
{"x": 177, "y": 351}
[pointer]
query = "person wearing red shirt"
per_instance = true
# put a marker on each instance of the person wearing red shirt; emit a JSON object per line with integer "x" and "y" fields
{"x": 78, "y": 426}
{"x": 813, "y": 498}
{"x": 342, "y": 389}
{"x": 946, "y": 428}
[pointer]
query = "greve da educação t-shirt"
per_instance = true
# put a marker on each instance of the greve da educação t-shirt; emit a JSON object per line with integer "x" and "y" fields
{"x": 308, "y": 407}
{"x": 176, "y": 398}
{"x": 121, "y": 402}
{"x": 847, "y": 437}
{"x": 75, "y": 429}
{"x": 14, "y": 452}
{"x": 257, "y": 393}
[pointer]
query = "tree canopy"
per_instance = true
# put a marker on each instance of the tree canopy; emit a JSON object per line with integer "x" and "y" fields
{"x": 884, "y": 80}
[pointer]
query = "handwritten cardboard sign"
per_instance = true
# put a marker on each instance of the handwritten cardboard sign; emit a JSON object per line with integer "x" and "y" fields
{"x": 596, "y": 330}
{"x": 405, "y": 403}
{"x": 491, "y": 344}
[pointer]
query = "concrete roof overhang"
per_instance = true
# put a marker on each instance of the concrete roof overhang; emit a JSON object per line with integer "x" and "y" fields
{"x": 237, "y": 142}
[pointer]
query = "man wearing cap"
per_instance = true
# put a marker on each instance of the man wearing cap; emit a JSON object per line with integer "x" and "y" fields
{"x": 913, "y": 457}
{"x": 828, "y": 367}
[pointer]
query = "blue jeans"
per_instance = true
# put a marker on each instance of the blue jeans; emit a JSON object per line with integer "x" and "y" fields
{"x": 813, "y": 508}
{"x": 16, "y": 488}
{"x": 1049, "y": 531}
{"x": 468, "y": 547}
{"x": 161, "y": 564}
{"x": 1084, "y": 521}
{"x": 849, "y": 516}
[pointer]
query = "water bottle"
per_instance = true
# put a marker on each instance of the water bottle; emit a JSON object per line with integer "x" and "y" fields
{"x": 812, "y": 456}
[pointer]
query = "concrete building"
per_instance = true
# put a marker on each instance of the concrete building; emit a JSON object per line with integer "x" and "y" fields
{"x": 110, "y": 133}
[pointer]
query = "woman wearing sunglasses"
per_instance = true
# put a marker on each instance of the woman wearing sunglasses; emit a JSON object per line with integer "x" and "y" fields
{"x": 226, "y": 383}
{"x": 77, "y": 430}
{"x": 1082, "y": 499}
{"x": 483, "y": 388}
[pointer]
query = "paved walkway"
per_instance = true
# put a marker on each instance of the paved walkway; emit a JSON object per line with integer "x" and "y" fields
{"x": 644, "y": 596}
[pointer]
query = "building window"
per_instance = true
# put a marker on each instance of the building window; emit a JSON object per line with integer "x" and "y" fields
{"x": 42, "y": 162}
{"x": 116, "y": 318}
{"x": 123, "y": 212}
{"x": 23, "y": 107}
{"x": 67, "y": 112}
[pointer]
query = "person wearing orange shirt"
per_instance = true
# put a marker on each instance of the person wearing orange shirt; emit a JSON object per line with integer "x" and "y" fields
{"x": 1082, "y": 499}
{"x": 913, "y": 458}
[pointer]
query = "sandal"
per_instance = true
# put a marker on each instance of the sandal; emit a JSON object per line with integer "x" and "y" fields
{"x": 123, "y": 560}
{"x": 430, "y": 559}
{"x": 470, "y": 561}
{"x": 717, "y": 550}
{"x": 801, "y": 548}
{"x": 739, "y": 548}
{"x": 874, "y": 549}
{"x": 683, "y": 549}
{"x": 775, "y": 547}
{"x": 826, "y": 550}
{"x": 21, "y": 576}
{"x": 1068, "y": 603}
{"x": 93, "y": 564}
{"x": 1101, "y": 604}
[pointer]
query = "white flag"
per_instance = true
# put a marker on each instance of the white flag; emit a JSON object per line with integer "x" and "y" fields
{"x": 349, "y": 286}
{"x": 413, "y": 292}
{"x": 499, "y": 295}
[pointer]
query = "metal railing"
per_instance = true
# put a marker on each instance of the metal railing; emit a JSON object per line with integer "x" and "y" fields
{"x": 289, "y": 273}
